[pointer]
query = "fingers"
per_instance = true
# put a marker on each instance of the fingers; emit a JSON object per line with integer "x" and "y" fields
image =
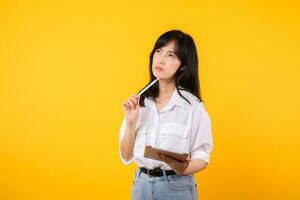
{"x": 165, "y": 158}
{"x": 126, "y": 105}
{"x": 133, "y": 100}
{"x": 132, "y": 103}
{"x": 169, "y": 159}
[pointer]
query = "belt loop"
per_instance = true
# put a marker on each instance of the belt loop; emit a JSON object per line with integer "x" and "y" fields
{"x": 139, "y": 172}
{"x": 165, "y": 174}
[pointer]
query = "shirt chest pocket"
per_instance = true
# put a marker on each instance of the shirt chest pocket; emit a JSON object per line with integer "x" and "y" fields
{"x": 173, "y": 137}
{"x": 140, "y": 140}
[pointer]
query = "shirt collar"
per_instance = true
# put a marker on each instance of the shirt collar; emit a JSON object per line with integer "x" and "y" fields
{"x": 175, "y": 100}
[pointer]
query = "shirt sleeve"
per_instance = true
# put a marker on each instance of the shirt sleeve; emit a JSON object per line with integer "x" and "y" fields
{"x": 121, "y": 136}
{"x": 201, "y": 136}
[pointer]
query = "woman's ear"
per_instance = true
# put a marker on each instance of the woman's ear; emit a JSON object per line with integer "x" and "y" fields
{"x": 182, "y": 68}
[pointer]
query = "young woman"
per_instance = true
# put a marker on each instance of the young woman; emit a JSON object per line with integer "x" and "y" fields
{"x": 170, "y": 115}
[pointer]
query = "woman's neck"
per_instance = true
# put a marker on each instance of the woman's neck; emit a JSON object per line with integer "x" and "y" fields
{"x": 166, "y": 88}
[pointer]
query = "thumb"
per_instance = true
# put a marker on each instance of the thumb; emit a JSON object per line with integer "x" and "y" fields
{"x": 138, "y": 102}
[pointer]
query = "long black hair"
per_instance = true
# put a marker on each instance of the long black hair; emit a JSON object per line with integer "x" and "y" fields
{"x": 186, "y": 77}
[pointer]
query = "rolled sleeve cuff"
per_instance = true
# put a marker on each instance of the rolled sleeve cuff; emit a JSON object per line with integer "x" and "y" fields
{"x": 200, "y": 155}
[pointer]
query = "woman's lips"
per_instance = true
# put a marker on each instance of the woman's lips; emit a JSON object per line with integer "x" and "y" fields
{"x": 159, "y": 68}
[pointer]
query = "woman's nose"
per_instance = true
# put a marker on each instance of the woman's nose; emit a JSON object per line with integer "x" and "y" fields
{"x": 162, "y": 60}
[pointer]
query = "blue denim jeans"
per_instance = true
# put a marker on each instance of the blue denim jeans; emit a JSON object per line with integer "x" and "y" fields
{"x": 172, "y": 187}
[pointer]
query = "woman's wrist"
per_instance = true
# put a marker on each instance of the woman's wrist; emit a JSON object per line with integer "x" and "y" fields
{"x": 130, "y": 125}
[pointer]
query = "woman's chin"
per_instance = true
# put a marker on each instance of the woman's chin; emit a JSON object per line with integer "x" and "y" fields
{"x": 161, "y": 76}
{"x": 157, "y": 75}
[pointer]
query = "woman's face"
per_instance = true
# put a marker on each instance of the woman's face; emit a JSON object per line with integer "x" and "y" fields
{"x": 165, "y": 63}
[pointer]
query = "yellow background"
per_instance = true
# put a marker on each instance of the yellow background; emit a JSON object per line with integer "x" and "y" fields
{"x": 66, "y": 66}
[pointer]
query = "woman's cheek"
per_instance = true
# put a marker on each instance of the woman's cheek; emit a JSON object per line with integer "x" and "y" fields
{"x": 171, "y": 73}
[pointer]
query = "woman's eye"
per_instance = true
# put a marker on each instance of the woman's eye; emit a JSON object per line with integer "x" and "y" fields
{"x": 171, "y": 55}
{"x": 158, "y": 50}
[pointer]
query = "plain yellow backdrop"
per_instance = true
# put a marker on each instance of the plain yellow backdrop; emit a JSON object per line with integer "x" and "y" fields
{"x": 66, "y": 66}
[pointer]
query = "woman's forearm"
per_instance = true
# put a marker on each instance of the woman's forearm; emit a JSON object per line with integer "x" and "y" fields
{"x": 195, "y": 166}
{"x": 127, "y": 144}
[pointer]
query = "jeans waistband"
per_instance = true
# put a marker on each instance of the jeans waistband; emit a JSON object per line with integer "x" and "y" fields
{"x": 157, "y": 172}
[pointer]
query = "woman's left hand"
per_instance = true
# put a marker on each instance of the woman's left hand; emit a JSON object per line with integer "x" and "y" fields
{"x": 177, "y": 165}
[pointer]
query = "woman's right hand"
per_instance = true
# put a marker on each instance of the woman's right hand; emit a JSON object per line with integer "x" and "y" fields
{"x": 131, "y": 109}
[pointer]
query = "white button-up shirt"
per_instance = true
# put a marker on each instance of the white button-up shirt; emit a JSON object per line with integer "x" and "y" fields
{"x": 178, "y": 127}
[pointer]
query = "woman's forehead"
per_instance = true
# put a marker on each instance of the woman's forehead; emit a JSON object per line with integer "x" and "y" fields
{"x": 170, "y": 46}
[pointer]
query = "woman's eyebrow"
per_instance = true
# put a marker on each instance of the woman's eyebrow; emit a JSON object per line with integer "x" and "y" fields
{"x": 172, "y": 52}
{"x": 169, "y": 51}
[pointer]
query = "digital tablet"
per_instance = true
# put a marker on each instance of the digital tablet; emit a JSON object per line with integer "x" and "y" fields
{"x": 151, "y": 153}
